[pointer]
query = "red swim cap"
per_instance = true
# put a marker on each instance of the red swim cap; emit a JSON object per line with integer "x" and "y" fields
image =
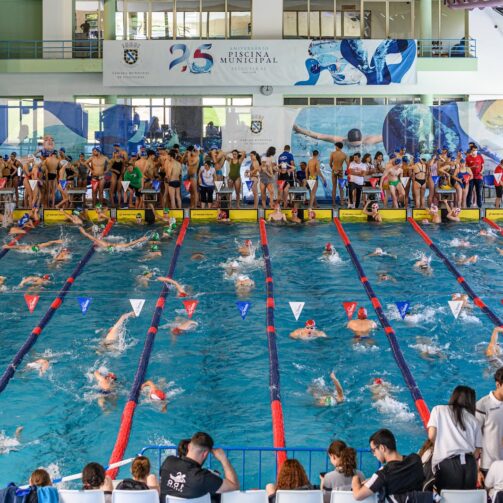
{"x": 176, "y": 331}
{"x": 310, "y": 324}
{"x": 112, "y": 376}
{"x": 377, "y": 380}
{"x": 183, "y": 294}
{"x": 158, "y": 395}
{"x": 46, "y": 277}
{"x": 362, "y": 313}
{"x": 328, "y": 247}
{"x": 248, "y": 242}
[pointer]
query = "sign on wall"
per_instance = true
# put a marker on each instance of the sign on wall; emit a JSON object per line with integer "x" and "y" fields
{"x": 259, "y": 62}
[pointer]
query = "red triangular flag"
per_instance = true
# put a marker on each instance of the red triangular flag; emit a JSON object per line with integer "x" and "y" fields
{"x": 281, "y": 184}
{"x": 466, "y": 177}
{"x": 350, "y": 308}
{"x": 190, "y": 307}
{"x": 94, "y": 184}
{"x": 3, "y": 183}
{"x": 373, "y": 182}
{"x": 187, "y": 184}
{"x": 31, "y": 301}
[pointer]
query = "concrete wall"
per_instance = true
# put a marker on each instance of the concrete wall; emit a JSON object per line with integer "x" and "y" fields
{"x": 21, "y": 20}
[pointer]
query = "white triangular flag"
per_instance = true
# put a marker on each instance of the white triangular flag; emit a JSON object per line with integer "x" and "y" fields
{"x": 296, "y": 308}
{"x": 405, "y": 180}
{"x": 125, "y": 185}
{"x": 137, "y": 305}
{"x": 218, "y": 185}
{"x": 456, "y": 306}
{"x": 311, "y": 184}
{"x": 497, "y": 177}
{"x": 33, "y": 184}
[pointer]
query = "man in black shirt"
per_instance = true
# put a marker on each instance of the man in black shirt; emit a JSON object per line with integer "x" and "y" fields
{"x": 398, "y": 475}
{"x": 186, "y": 478}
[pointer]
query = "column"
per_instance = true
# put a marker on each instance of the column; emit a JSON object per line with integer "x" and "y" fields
{"x": 426, "y": 21}
{"x": 267, "y": 19}
{"x": 57, "y": 24}
{"x": 109, "y": 20}
{"x": 111, "y": 99}
{"x": 427, "y": 99}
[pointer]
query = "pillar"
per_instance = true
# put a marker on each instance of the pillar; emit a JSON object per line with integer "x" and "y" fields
{"x": 427, "y": 99}
{"x": 111, "y": 99}
{"x": 267, "y": 19}
{"x": 109, "y": 20}
{"x": 426, "y": 22}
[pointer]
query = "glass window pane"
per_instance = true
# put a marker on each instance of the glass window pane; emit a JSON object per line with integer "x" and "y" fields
{"x": 347, "y": 101}
{"x": 87, "y": 19}
{"x": 140, "y": 102}
{"x": 373, "y": 101}
{"x": 239, "y": 18}
{"x": 215, "y": 18}
{"x": 377, "y": 17}
{"x": 137, "y": 25}
{"x": 157, "y": 101}
{"x": 162, "y": 19}
{"x": 188, "y": 19}
{"x": 314, "y": 23}
{"x": 321, "y": 101}
{"x": 242, "y": 102}
{"x": 214, "y": 101}
{"x": 400, "y": 16}
{"x": 119, "y": 26}
{"x": 289, "y": 24}
{"x": 295, "y": 18}
{"x": 322, "y": 18}
{"x": 327, "y": 24}
{"x": 296, "y": 101}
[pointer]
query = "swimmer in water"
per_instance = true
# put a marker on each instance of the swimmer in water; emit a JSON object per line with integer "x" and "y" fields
{"x": 311, "y": 216}
{"x": 198, "y": 256}
{"x": 373, "y": 214}
{"x": 428, "y": 350}
{"x": 329, "y": 250}
{"x": 463, "y": 297}
{"x": 277, "y": 215}
{"x": 453, "y": 213}
{"x": 467, "y": 260}
{"x": 63, "y": 255}
{"x": 294, "y": 218}
{"x": 380, "y": 389}
{"x": 101, "y": 243}
{"x": 101, "y": 216}
{"x": 155, "y": 393}
{"x": 362, "y": 326}
{"x": 154, "y": 252}
{"x": 460, "y": 243}
{"x": 308, "y": 332}
{"x": 73, "y": 217}
{"x": 155, "y": 238}
{"x": 34, "y": 281}
{"x": 165, "y": 214}
{"x": 223, "y": 217}
{"x": 42, "y": 365}
{"x": 423, "y": 264}
{"x": 488, "y": 234}
{"x": 34, "y": 248}
{"x": 436, "y": 217}
{"x": 232, "y": 268}
{"x": 183, "y": 325}
{"x": 384, "y": 276}
{"x": 179, "y": 288}
{"x": 324, "y": 398}
{"x": 113, "y": 334}
{"x": 2, "y": 281}
{"x": 144, "y": 278}
{"x": 246, "y": 249}
{"x": 106, "y": 382}
{"x": 493, "y": 350}
{"x": 244, "y": 283}
{"x": 379, "y": 252}
{"x": 500, "y": 251}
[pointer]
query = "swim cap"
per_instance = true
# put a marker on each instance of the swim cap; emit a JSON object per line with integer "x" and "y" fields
{"x": 176, "y": 331}
{"x": 375, "y": 206}
{"x": 101, "y": 226}
{"x": 397, "y": 150}
{"x": 310, "y": 324}
{"x": 362, "y": 313}
{"x": 146, "y": 273}
{"x": 457, "y": 211}
{"x": 165, "y": 211}
{"x": 46, "y": 277}
{"x": 35, "y": 248}
{"x": 354, "y": 135}
{"x": 377, "y": 380}
{"x": 110, "y": 248}
{"x": 248, "y": 242}
{"x": 329, "y": 400}
{"x": 328, "y": 247}
{"x": 243, "y": 277}
{"x": 405, "y": 159}
{"x": 98, "y": 206}
{"x": 234, "y": 264}
{"x": 392, "y": 156}
{"x": 138, "y": 215}
{"x": 158, "y": 395}
{"x": 398, "y": 161}
{"x": 434, "y": 208}
{"x": 378, "y": 250}
{"x": 154, "y": 248}
{"x": 439, "y": 151}
{"x": 112, "y": 376}
{"x": 462, "y": 160}
{"x": 155, "y": 236}
{"x": 76, "y": 212}
{"x": 183, "y": 294}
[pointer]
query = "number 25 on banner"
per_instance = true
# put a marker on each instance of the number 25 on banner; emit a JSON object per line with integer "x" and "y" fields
{"x": 198, "y": 54}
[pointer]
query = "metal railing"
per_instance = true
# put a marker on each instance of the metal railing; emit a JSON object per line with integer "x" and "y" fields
{"x": 256, "y": 466}
{"x": 447, "y": 48}
{"x": 89, "y": 48}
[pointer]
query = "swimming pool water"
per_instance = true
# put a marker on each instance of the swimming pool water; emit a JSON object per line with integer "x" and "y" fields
{"x": 217, "y": 375}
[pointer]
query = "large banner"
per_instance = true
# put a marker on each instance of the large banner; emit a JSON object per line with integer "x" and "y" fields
{"x": 259, "y": 62}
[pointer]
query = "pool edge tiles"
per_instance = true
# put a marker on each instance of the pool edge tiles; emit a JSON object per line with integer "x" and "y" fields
{"x": 323, "y": 214}
{"x": 56, "y": 216}
{"x": 392, "y": 215}
{"x": 130, "y": 215}
{"x": 494, "y": 214}
{"x": 466, "y": 215}
{"x": 235, "y": 215}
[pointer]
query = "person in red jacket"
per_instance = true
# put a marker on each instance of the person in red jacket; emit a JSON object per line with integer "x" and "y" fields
{"x": 498, "y": 183}
{"x": 476, "y": 163}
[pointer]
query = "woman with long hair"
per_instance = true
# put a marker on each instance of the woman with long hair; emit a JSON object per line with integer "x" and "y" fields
{"x": 291, "y": 476}
{"x": 95, "y": 477}
{"x": 254, "y": 175}
{"x": 457, "y": 439}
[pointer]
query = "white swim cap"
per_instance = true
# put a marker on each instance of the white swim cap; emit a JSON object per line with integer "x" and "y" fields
{"x": 243, "y": 277}
{"x": 378, "y": 250}
{"x": 234, "y": 264}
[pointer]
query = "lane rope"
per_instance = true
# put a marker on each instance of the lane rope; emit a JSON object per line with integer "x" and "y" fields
{"x": 452, "y": 268}
{"x": 12, "y": 242}
{"x": 278, "y": 425}
{"x": 126, "y": 423}
{"x": 419, "y": 402}
{"x": 56, "y": 303}
{"x": 494, "y": 225}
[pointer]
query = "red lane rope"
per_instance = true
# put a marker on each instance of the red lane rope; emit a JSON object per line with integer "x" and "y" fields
{"x": 419, "y": 402}
{"x": 494, "y": 225}
{"x": 278, "y": 425}
{"x": 14, "y": 241}
{"x": 126, "y": 424}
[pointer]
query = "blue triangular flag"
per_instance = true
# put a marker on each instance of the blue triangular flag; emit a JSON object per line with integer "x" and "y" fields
{"x": 403, "y": 308}
{"x": 342, "y": 182}
{"x": 84, "y": 303}
{"x": 435, "y": 179}
{"x": 243, "y": 308}
{"x": 63, "y": 184}
{"x": 156, "y": 184}
{"x": 249, "y": 184}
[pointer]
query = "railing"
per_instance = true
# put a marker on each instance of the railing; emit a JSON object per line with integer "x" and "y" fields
{"x": 256, "y": 466}
{"x": 89, "y": 48}
{"x": 447, "y": 48}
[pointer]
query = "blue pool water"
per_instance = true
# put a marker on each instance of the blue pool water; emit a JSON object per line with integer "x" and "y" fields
{"x": 217, "y": 375}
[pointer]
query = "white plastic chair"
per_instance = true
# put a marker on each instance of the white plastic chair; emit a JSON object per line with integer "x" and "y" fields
{"x": 299, "y": 496}
{"x": 203, "y": 499}
{"x": 463, "y": 496}
{"x": 347, "y": 497}
{"x": 122, "y": 496}
{"x": 91, "y": 496}
{"x": 245, "y": 497}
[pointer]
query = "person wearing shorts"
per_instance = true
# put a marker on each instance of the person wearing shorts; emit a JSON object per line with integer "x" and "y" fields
{"x": 207, "y": 184}
{"x": 498, "y": 185}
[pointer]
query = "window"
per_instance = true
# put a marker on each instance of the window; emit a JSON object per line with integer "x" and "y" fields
{"x": 25, "y": 124}
{"x": 88, "y": 19}
{"x": 214, "y": 19}
{"x": 188, "y": 19}
{"x": 348, "y": 100}
{"x": 239, "y": 13}
{"x": 295, "y": 16}
{"x": 93, "y": 106}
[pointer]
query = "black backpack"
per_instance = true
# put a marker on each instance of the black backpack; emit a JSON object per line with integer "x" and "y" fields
{"x": 132, "y": 485}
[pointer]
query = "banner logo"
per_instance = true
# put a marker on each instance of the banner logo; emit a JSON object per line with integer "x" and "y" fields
{"x": 131, "y": 53}
{"x": 256, "y": 124}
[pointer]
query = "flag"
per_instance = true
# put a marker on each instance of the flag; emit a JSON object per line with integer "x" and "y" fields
{"x": 311, "y": 184}
{"x": 218, "y": 185}
{"x": 456, "y": 306}
{"x": 249, "y": 184}
{"x": 281, "y": 184}
{"x": 63, "y": 184}
{"x": 343, "y": 182}
{"x": 3, "y": 183}
{"x": 31, "y": 301}
{"x": 497, "y": 177}
{"x": 156, "y": 184}
{"x": 190, "y": 306}
{"x": 350, "y": 308}
{"x": 403, "y": 308}
{"x": 373, "y": 181}
{"x": 84, "y": 303}
{"x": 33, "y": 184}
{"x": 435, "y": 179}
{"x": 125, "y": 185}
{"x": 186, "y": 184}
{"x": 296, "y": 308}
{"x": 466, "y": 177}
{"x": 405, "y": 180}
{"x": 243, "y": 308}
{"x": 137, "y": 305}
